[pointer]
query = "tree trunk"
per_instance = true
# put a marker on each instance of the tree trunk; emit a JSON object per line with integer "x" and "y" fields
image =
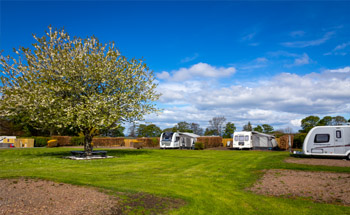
{"x": 87, "y": 144}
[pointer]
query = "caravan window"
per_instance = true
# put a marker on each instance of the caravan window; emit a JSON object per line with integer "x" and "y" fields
{"x": 321, "y": 138}
{"x": 246, "y": 137}
{"x": 241, "y": 137}
{"x": 167, "y": 135}
{"x": 338, "y": 134}
{"x": 236, "y": 138}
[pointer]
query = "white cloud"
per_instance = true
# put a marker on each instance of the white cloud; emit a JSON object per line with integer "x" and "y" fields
{"x": 196, "y": 71}
{"x": 163, "y": 75}
{"x": 296, "y": 122}
{"x": 261, "y": 60}
{"x": 189, "y": 59}
{"x": 341, "y": 46}
{"x": 339, "y": 49}
{"x": 341, "y": 70}
{"x": 303, "y": 44}
{"x": 304, "y": 59}
{"x": 281, "y": 101}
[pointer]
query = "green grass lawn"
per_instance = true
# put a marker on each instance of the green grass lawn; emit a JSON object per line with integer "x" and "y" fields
{"x": 211, "y": 182}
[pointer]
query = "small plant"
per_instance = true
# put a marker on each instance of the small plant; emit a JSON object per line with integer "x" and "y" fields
{"x": 198, "y": 146}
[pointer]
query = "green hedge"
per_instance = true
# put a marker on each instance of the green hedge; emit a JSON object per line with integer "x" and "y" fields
{"x": 40, "y": 141}
{"x": 77, "y": 141}
{"x": 299, "y": 140}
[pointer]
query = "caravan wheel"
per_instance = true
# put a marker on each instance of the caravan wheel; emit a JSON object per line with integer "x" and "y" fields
{"x": 348, "y": 156}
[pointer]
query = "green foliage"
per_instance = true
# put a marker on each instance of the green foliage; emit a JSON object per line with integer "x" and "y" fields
{"x": 299, "y": 140}
{"x": 229, "y": 130}
{"x": 155, "y": 142}
{"x": 40, "y": 141}
{"x": 148, "y": 130}
{"x": 198, "y": 146}
{"x": 182, "y": 127}
{"x": 327, "y": 120}
{"x": 267, "y": 128}
{"x": 210, "y": 132}
{"x": 68, "y": 82}
{"x": 248, "y": 127}
{"x": 114, "y": 132}
{"x": 77, "y": 141}
{"x": 311, "y": 121}
{"x": 258, "y": 129}
{"x": 308, "y": 123}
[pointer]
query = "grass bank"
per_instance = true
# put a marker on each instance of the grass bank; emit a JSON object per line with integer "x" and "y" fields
{"x": 211, "y": 182}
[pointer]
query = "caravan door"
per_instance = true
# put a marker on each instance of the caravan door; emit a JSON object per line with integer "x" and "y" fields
{"x": 339, "y": 141}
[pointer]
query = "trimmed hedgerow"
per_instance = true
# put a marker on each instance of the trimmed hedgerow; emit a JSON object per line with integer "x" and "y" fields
{"x": 77, "y": 141}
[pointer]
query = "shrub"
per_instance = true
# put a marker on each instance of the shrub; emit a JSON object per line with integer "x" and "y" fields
{"x": 77, "y": 141}
{"x": 299, "y": 140}
{"x": 52, "y": 143}
{"x": 198, "y": 146}
{"x": 40, "y": 141}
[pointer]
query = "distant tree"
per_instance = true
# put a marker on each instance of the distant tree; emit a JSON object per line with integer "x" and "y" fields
{"x": 258, "y": 128}
{"x": 327, "y": 120}
{"x": 196, "y": 129}
{"x": 182, "y": 127}
{"x": 70, "y": 82}
{"x": 308, "y": 123}
{"x": 133, "y": 130}
{"x": 217, "y": 124}
{"x": 338, "y": 120}
{"x": 229, "y": 130}
{"x": 168, "y": 130}
{"x": 267, "y": 128}
{"x": 247, "y": 127}
{"x": 148, "y": 130}
{"x": 210, "y": 132}
{"x": 114, "y": 132}
{"x": 288, "y": 130}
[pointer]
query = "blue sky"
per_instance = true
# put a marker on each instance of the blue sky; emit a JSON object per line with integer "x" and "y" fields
{"x": 264, "y": 62}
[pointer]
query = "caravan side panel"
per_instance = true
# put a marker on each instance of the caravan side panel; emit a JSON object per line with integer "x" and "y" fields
{"x": 328, "y": 141}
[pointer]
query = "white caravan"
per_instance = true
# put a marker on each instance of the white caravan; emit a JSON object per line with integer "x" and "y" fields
{"x": 253, "y": 140}
{"x": 328, "y": 141}
{"x": 175, "y": 140}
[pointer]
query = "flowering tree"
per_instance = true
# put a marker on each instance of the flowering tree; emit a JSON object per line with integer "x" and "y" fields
{"x": 75, "y": 83}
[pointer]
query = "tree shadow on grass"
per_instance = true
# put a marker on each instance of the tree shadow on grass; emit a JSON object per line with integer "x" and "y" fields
{"x": 110, "y": 152}
{"x": 127, "y": 152}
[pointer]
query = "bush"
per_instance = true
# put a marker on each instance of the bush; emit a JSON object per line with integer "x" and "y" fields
{"x": 299, "y": 140}
{"x": 52, "y": 143}
{"x": 40, "y": 141}
{"x": 198, "y": 146}
{"x": 77, "y": 141}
